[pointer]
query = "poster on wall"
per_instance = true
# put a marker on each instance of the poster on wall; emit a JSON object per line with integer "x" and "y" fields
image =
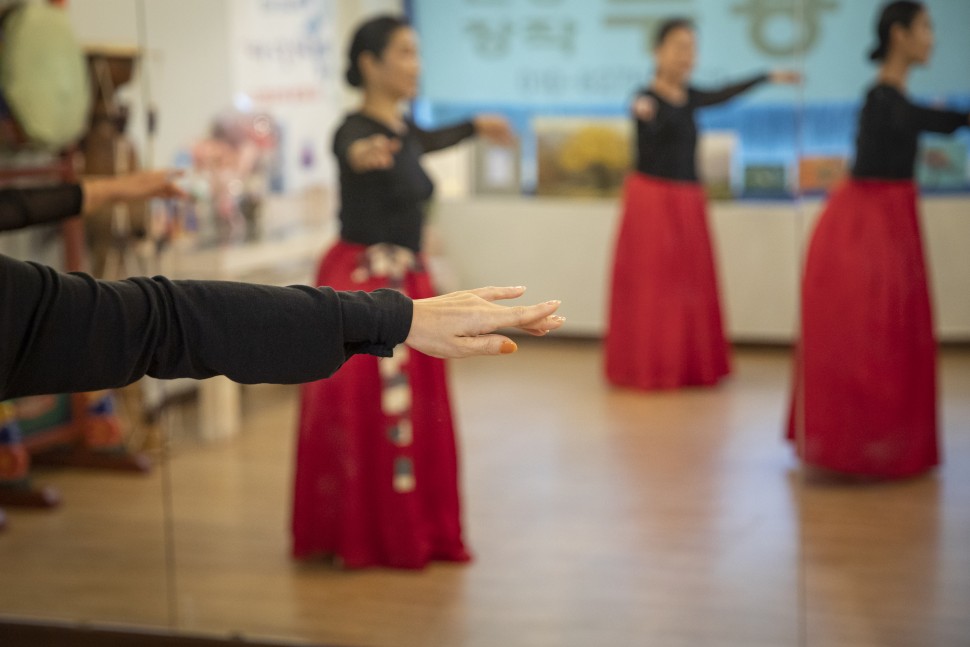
{"x": 582, "y": 157}
{"x": 283, "y": 52}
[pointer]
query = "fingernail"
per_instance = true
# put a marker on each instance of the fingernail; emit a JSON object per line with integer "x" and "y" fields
{"x": 559, "y": 318}
{"x": 508, "y": 347}
{"x": 519, "y": 287}
{"x": 554, "y": 303}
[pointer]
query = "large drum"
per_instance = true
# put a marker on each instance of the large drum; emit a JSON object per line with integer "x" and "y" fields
{"x": 45, "y": 94}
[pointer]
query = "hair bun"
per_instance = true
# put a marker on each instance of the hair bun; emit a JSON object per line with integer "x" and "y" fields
{"x": 371, "y": 37}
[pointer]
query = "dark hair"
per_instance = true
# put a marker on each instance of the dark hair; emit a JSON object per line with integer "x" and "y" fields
{"x": 372, "y": 36}
{"x": 668, "y": 26}
{"x": 901, "y": 12}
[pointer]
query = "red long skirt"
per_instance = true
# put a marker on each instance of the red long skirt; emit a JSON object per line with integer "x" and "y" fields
{"x": 865, "y": 385}
{"x": 665, "y": 326}
{"x": 347, "y": 500}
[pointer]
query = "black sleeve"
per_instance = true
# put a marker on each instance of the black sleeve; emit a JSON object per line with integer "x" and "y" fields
{"x": 702, "y": 98}
{"x": 435, "y": 140}
{"x": 68, "y": 332}
{"x": 26, "y": 207}
{"x": 896, "y": 112}
{"x": 937, "y": 121}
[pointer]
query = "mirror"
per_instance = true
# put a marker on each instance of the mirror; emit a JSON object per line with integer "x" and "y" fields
{"x": 595, "y": 513}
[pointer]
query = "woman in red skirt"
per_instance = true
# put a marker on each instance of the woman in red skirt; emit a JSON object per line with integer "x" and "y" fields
{"x": 865, "y": 394}
{"x": 665, "y": 327}
{"x": 377, "y": 470}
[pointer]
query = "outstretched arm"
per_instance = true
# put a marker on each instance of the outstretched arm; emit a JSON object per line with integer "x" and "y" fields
{"x": 21, "y": 208}
{"x": 702, "y": 98}
{"x": 493, "y": 128}
{"x": 440, "y": 138}
{"x": 70, "y": 332}
{"x": 939, "y": 121}
{"x": 102, "y": 191}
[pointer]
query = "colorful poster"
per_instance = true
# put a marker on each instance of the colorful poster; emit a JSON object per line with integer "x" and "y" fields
{"x": 284, "y": 56}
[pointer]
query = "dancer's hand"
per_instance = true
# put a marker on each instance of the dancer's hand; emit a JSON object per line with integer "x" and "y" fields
{"x": 102, "y": 191}
{"x": 461, "y": 324}
{"x": 495, "y": 129}
{"x": 785, "y": 77}
{"x": 373, "y": 153}
{"x": 644, "y": 108}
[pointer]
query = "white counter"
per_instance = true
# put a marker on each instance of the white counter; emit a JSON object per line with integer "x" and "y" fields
{"x": 562, "y": 248}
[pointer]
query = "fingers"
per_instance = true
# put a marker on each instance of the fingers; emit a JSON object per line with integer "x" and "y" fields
{"x": 501, "y": 345}
{"x": 495, "y": 128}
{"x": 548, "y": 324}
{"x": 462, "y": 324}
{"x": 495, "y": 294}
{"x": 169, "y": 188}
{"x": 537, "y": 319}
{"x": 381, "y": 151}
{"x": 489, "y": 345}
{"x": 643, "y": 108}
{"x": 792, "y": 77}
{"x": 519, "y": 316}
{"x": 373, "y": 153}
{"x": 503, "y": 135}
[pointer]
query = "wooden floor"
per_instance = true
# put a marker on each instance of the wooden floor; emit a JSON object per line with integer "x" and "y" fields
{"x": 597, "y": 517}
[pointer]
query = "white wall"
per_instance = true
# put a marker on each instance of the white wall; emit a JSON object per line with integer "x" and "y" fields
{"x": 562, "y": 249}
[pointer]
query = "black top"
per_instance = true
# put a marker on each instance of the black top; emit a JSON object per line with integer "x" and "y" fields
{"x": 889, "y": 128}
{"x": 25, "y": 207}
{"x": 387, "y": 206}
{"x": 68, "y": 332}
{"x": 667, "y": 143}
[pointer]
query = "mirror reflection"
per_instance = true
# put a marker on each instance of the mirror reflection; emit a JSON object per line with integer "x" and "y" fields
{"x": 748, "y": 427}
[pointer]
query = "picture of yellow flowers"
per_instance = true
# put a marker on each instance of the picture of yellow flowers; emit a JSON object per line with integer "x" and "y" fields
{"x": 585, "y": 157}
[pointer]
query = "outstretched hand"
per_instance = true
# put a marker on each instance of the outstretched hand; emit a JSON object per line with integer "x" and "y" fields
{"x": 142, "y": 185}
{"x": 462, "y": 324}
{"x": 374, "y": 153}
{"x": 495, "y": 129}
{"x": 644, "y": 108}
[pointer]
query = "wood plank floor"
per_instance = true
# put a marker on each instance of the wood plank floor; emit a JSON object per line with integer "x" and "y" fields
{"x": 597, "y": 517}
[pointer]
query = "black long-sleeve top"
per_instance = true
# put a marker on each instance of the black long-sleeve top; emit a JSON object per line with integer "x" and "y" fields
{"x": 68, "y": 332}
{"x": 21, "y": 208}
{"x": 889, "y": 128}
{"x": 388, "y": 206}
{"x": 667, "y": 143}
